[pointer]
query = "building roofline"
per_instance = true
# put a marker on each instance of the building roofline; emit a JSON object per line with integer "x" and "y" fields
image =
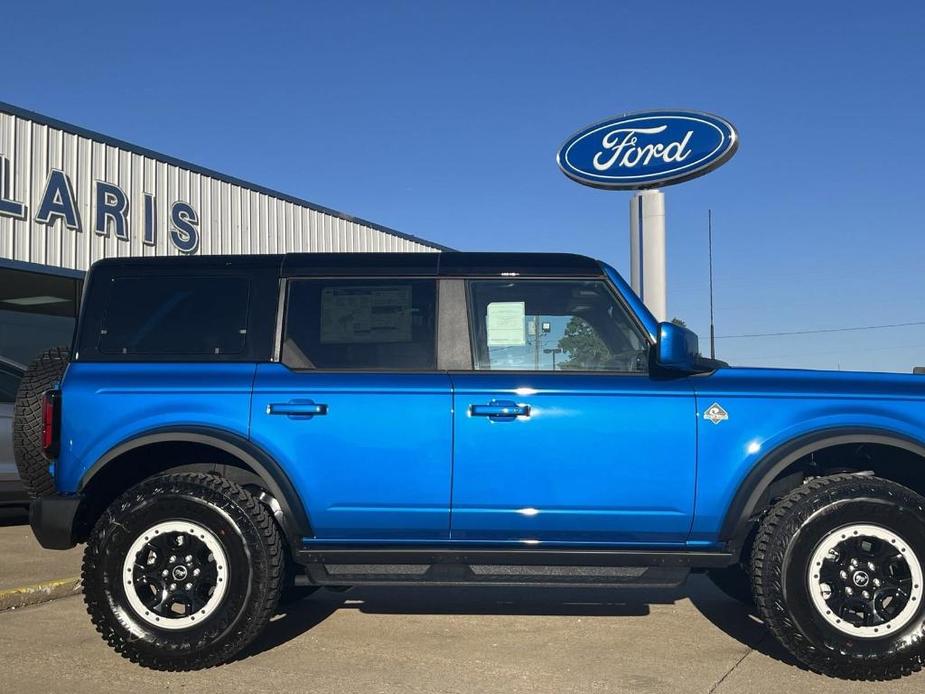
{"x": 181, "y": 163}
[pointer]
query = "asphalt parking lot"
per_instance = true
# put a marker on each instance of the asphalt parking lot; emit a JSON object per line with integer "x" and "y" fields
{"x": 445, "y": 640}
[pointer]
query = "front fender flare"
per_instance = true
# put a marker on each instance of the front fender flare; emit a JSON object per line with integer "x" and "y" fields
{"x": 759, "y": 478}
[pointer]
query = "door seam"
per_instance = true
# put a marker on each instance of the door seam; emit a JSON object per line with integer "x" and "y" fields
{"x": 449, "y": 521}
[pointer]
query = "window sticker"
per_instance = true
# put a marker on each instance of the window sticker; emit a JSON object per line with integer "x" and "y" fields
{"x": 365, "y": 314}
{"x": 506, "y": 325}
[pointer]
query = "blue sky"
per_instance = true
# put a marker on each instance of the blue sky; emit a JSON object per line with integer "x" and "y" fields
{"x": 443, "y": 120}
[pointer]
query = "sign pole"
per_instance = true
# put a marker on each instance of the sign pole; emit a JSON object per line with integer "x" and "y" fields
{"x": 647, "y": 250}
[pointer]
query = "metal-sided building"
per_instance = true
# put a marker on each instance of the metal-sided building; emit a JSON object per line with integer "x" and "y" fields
{"x": 69, "y": 197}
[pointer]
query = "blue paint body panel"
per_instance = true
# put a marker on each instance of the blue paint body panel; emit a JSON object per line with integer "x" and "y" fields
{"x": 600, "y": 458}
{"x": 377, "y": 465}
{"x": 108, "y": 404}
{"x": 769, "y": 408}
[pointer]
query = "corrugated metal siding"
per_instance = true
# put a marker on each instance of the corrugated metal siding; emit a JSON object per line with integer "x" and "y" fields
{"x": 232, "y": 217}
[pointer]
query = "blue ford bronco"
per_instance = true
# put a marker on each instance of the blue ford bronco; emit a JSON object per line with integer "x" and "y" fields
{"x": 223, "y": 428}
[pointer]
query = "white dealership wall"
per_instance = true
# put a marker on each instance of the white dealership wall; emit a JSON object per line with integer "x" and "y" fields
{"x": 43, "y": 162}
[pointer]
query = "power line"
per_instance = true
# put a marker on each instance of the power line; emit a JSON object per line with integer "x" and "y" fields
{"x": 826, "y": 330}
{"x": 828, "y": 352}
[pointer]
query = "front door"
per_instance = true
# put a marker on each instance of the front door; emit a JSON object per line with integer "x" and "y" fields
{"x": 561, "y": 433}
{"x": 357, "y": 413}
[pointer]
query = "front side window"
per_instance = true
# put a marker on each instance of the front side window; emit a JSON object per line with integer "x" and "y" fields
{"x": 176, "y": 316}
{"x": 361, "y": 324}
{"x": 553, "y": 325}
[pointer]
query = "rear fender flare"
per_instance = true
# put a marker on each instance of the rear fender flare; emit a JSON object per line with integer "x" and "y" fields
{"x": 295, "y": 521}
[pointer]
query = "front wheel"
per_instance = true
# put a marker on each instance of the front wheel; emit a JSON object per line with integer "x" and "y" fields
{"x": 183, "y": 571}
{"x": 838, "y": 576}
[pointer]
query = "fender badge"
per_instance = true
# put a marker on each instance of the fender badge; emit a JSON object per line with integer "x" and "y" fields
{"x": 716, "y": 414}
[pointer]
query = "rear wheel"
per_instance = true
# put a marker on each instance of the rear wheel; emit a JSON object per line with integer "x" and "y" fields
{"x": 183, "y": 571}
{"x": 838, "y": 576}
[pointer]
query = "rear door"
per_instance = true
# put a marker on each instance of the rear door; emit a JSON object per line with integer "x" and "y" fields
{"x": 356, "y": 411}
{"x": 561, "y": 432}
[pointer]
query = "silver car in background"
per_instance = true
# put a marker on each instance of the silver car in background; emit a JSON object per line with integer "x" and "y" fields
{"x": 12, "y": 490}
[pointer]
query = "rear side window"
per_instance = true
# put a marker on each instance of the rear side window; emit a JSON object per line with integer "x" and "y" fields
{"x": 175, "y": 316}
{"x": 362, "y": 324}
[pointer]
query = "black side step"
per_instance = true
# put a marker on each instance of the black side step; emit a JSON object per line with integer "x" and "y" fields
{"x": 357, "y": 566}
{"x": 495, "y": 575}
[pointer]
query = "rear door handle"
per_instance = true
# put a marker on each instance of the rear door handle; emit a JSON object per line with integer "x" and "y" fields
{"x": 298, "y": 409}
{"x": 500, "y": 409}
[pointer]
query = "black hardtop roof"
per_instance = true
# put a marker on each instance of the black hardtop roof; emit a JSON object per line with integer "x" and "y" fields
{"x": 445, "y": 264}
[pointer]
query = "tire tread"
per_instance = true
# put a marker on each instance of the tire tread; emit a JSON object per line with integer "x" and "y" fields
{"x": 245, "y": 633}
{"x": 767, "y": 560}
{"x": 43, "y": 373}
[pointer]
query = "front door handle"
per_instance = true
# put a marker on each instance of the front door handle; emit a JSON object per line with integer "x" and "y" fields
{"x": 298, "y": 409}
{"x": 501, "y": 410}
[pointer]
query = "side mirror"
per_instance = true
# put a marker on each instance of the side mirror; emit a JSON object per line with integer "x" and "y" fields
{"x": 677, "y": 347}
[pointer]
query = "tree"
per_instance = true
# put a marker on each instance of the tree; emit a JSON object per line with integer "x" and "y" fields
{"x": 582, "y": 345}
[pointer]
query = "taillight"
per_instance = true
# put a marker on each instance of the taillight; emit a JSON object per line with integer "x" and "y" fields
{"x": 51, "y": 423}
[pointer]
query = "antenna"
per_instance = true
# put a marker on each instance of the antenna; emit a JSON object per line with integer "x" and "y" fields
{"x": 710, "y": 253}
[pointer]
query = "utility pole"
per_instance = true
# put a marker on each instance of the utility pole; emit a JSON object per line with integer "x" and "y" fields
{"x": 710, "y": 253}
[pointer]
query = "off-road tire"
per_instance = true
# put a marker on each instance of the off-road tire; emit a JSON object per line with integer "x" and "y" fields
{"x": 255, "y": 556}
{"x": 44, "y": 373}
{"x": 789, "y": 534}
{"x": 735, "y": 581}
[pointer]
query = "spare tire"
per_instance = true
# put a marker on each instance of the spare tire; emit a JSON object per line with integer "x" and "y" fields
{"x": 44, "y": 373}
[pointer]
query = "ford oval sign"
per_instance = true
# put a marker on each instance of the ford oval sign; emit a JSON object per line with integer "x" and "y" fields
{"x": 646, "y": 150}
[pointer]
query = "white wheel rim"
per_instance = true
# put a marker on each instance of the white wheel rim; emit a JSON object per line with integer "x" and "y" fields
{"x": 845, "y": 581}
{"x": 204, "y": 567}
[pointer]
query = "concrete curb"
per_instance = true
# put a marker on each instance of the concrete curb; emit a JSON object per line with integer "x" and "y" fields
{"x": 13, "y": 598}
